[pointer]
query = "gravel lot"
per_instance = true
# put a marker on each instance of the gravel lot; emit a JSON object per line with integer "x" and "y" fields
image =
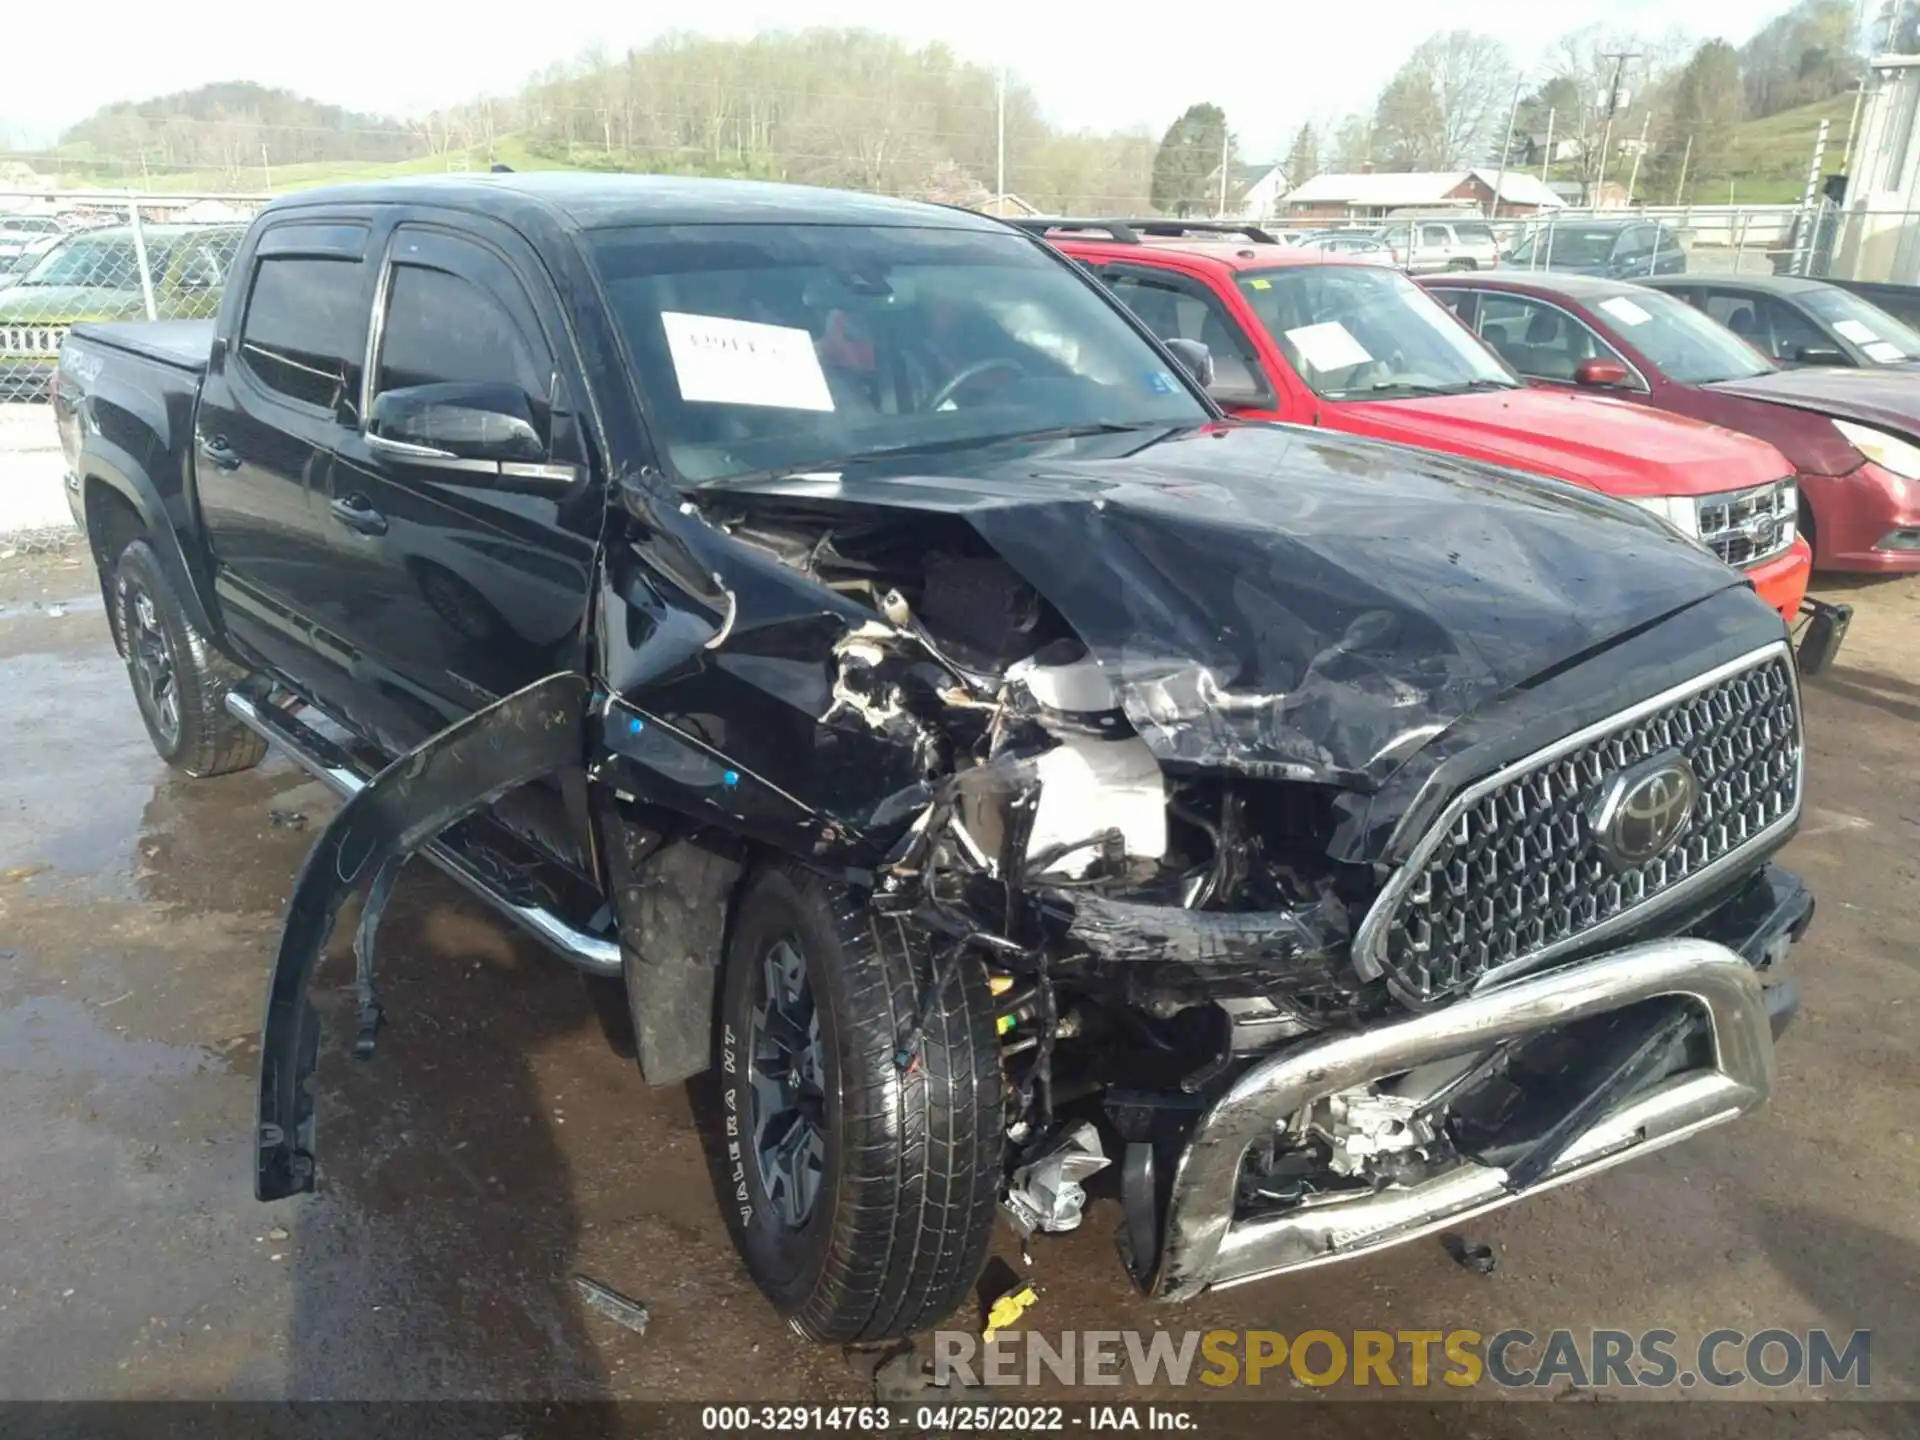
{"x": 501, "y": 1141}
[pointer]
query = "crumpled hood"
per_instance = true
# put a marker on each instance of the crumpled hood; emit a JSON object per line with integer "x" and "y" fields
{"x": 1594, "y": 440}
{"x": 1887, "y": 397}
{"x": 1294, "y": 603}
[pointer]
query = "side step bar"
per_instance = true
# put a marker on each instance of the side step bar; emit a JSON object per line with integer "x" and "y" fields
{"x": 329, "y": 764}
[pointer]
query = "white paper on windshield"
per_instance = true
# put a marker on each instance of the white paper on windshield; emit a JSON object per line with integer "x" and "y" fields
{"x": 742, "y": 362}
{"x": 1624, "y": 310}
{"x": 1885, "y": 353}
{"x": 1328, "y": 346}
{"x": 1853, "y": 330}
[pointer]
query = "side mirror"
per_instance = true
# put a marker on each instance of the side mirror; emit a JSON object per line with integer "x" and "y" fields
{"x": 455, "y": 422}
{"x": 1195, "y": 359}
{"x": 1600, "y": 374}
{"x": 1819, "y": 355}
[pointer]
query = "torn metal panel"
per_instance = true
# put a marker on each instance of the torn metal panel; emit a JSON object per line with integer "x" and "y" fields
{"x": 802, "y": 704}
{"x": 673, "y": 903}
{"x": 462, "y": 769}
{"x": 1302, "y": 947}
{"x": 1260, "y": 609}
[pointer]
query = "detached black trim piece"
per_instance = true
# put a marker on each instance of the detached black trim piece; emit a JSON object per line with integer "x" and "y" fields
{"x": 462, "y": 769}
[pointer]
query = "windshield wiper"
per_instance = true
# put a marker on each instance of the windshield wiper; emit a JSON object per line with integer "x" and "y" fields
{"x": 938, "y": 447}
{"x": 1422, "y": 387}
{"x": 1018, "y": 437}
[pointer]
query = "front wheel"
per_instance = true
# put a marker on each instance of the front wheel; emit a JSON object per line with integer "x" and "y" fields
{"x": 179, "y": 680}
{"x": 860, "y": 1194}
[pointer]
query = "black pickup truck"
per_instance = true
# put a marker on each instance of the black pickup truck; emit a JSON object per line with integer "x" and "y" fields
{"x": 841, "y": 622}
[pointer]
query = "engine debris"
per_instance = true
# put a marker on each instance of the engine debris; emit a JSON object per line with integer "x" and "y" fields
{"x": 618, "y": 1308}
{"x": 1045, "y": 1193}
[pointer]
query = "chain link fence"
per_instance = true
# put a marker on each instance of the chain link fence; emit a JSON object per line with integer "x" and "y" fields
{"x": 1820, "y": 241}
{"x": 71, "y": 257}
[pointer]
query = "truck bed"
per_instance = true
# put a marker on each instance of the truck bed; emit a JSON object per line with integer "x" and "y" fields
{"x": 181, "y": 344}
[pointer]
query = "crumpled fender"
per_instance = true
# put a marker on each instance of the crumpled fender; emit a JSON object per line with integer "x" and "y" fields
{"x": 462, "y": 769}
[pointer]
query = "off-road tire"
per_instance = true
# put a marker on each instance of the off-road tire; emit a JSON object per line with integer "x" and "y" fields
{"x": 206, "y": 740}
{"x": 898, "y": 1233}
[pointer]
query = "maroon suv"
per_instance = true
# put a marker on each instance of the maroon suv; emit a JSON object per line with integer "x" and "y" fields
{"x": 1853, "y": 438}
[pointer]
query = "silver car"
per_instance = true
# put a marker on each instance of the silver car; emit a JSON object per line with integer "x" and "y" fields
{"x": 1354, "y": 243}
{"x": 1429, "y": 246}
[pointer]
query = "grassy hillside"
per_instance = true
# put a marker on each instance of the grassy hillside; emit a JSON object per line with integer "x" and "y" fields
{"x": 1770, "y": 157}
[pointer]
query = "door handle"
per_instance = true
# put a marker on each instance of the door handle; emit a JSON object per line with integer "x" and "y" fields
{"x": 357, "y": 514}
{"x": 219, "y": 453}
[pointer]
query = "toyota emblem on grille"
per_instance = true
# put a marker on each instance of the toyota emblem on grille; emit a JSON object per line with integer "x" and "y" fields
{"x": 1643, "y": 810}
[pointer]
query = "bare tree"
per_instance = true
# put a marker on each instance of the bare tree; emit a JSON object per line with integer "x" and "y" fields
{"x": 1443, "y": 107}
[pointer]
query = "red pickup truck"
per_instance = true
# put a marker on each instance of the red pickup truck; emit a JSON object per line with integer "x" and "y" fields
{"x": 1318, "y": 339}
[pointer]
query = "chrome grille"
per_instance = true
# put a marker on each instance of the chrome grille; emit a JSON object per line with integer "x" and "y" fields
{"x": 1510, "y": 873}
{"x": 1744, "y": 527}
{"x": 40, "y": 342}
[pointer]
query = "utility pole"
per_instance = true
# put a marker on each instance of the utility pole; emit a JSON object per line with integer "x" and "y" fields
{"x": 1506, "y": 150}
{"x": 1000, "y": 136}
{"x": 1226, "y": 148}
{"x": 1633, "y": 176}
{"x": 1546, "y": 160}
{"x": 1685, "y": 160}
{"x": 266, "y": 165}
{"x": 1619, "y": 58}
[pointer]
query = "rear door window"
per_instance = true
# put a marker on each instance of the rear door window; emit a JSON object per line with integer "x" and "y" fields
{"x": 1177, "y": 308}
{"x": 442, "y": 328}
{"x": 1539, "y": 340}
{"x": 305, "y": 330}
{"x": 1774, "y": 328}
{"x": 1435, "y": 236}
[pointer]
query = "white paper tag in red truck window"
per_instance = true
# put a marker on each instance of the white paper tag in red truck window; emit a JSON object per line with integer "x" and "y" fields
{"x": 1328, "y": 346}
{"x": 743, "y": 362}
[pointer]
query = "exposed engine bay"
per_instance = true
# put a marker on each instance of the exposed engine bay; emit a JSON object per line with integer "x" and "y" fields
{"x": 1153, "y": 929}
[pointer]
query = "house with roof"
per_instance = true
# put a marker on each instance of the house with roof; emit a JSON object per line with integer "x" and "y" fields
{"x": 1374, "y": 196}
{"x": 1254, "y": 191}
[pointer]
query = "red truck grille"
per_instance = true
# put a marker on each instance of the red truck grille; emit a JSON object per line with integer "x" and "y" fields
{"x": 1745, "y": 527}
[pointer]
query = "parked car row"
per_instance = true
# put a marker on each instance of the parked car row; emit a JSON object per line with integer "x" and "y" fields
{"x": 1776, "y": 473}
{"x": 957, "y": 732}
{"x": 1851, "y": 435}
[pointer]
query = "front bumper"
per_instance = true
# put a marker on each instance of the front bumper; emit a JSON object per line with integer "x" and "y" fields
{"x": 1782, "y": 581}
{"x": 1205, "y": 1244}
{"x": 1866, "y": 522}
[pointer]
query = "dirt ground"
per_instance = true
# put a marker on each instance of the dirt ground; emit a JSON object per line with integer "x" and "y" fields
{"x": 501, "y": 1140}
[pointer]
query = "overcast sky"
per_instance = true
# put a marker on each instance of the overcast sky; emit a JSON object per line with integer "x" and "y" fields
{"x": 1097, "y": 66}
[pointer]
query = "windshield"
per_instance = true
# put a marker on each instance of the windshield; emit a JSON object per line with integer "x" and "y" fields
{"x": 1567, "y": 245}
{"x": 1683, "y": 344}
{"x": 774, "y": 347}
{"x": 96, "y": 264}
{"x": 1885, "y": 340}
{"x": 1365, "y": 332}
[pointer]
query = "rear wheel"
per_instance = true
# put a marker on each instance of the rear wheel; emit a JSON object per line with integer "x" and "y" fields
{"x": 179, "y": 680}
{"x": 860, "y": 1194}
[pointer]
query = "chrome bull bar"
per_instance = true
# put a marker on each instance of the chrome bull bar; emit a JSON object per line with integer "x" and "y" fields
{"x": 1205, "y": 1247}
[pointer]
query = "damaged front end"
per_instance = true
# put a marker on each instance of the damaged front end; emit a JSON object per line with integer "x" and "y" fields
{"x": 1293, "y": 853}
{"x": 1318, "y": 921}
